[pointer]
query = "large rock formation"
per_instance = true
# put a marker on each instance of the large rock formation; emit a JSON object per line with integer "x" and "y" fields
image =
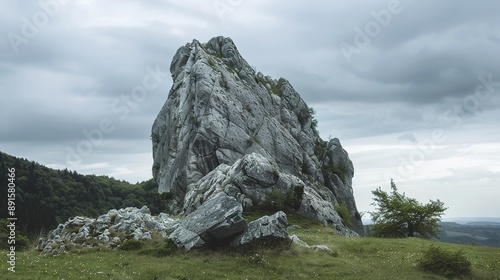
{"x": 226, "y": 128}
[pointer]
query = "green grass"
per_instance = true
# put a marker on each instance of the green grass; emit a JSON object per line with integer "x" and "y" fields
{"x": 349, "y": 258}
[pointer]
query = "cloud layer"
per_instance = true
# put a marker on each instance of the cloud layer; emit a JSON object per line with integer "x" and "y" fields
{"x": 414, "y": 96}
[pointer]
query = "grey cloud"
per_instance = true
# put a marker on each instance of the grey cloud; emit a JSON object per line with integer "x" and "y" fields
{"x": 473, "y": 174}
{"x": 409, "y": 137}
{"x": 424, "y": 65}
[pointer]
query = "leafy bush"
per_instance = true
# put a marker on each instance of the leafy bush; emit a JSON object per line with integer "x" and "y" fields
{"x": 21, "y": 241}
{"x": 277, "y": 88}
{"x": 357, "y": 215}
{"x": 131, "y": 244}
{"x": 274, "y": 201}
{"x": 294, "y": 197}
{"x": 158, "y": 250}
{"x": 343, "y": 213}
{"x": 445, "y": 263}
{"x": 320, "y": 149}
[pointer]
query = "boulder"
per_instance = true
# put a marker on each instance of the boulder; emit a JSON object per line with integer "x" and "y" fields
{"x": 218, "y": 219}
{"x": 186, "y": 239}
{"x": 266, "y": 231}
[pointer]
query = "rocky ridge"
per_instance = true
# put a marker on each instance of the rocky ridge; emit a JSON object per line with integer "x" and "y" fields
{"x": 227, "y": 129}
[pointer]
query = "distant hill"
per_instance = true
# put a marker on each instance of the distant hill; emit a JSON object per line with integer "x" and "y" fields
{"x": 46, "y": 197}
{"x": 474, "y": 220}
{"x": 481, "y": 223}
{"x": 474, "y": 233}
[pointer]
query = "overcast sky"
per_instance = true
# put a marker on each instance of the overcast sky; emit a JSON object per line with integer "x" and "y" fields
{"x": 411, "y": 88}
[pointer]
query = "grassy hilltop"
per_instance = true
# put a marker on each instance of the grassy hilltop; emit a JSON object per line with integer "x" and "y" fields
{"x": 349, "y": 258}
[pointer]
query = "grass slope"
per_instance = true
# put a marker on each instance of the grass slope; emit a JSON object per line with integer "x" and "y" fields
{"x": 349, "y": 258}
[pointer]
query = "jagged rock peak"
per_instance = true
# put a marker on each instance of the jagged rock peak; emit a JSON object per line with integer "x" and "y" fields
{"x": 226, "y": 128}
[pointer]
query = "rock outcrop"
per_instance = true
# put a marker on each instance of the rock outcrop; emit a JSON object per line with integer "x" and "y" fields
{"x": 109, "y": 230}
{"x": 227, "y": 129}
{"x": 218, "y": 222}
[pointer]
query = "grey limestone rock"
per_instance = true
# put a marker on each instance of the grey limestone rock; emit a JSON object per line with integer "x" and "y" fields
{"x": 186, "y": 239}
{"x": 296, "y": 240}
{"x": 227, "y": 128}
{"x": 109, "y": 230}
{"x": 248, "y": 180}
{"x": 267, "y": 230}
{"x": 217, "y": 219}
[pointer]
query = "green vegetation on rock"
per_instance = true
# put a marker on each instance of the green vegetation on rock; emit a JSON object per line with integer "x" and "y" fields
{"x": 343, "y": 212}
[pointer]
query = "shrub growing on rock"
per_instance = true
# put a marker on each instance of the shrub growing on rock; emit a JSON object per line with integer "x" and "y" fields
{"x": 343, "y": 213}
{"x": 274, "y": 201}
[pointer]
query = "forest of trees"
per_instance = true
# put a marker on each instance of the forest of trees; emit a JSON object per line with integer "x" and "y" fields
{"x": 46, "y": 197}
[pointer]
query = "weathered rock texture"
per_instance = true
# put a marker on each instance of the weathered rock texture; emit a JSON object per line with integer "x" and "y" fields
{"x": 108, "y": 230}
{"x": 265, "y": 231}
{"x": 218, "y": 219}
{"x": 218, "y": 222}
{"x": 226, "y": 128}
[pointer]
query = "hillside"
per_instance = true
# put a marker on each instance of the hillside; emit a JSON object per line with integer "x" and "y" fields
{"x": 474, "y": 233}
{"x": 46, "y": 197}
{"x": 348, "y": 258}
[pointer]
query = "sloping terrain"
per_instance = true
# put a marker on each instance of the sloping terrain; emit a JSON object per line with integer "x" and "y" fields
{"x": 473, "y": 234}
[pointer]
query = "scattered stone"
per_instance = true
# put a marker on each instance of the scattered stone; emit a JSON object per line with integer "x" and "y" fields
{"x": 295, "y": 239}
{"x": 292, "y": 227}
{"x": 108, "y": 230}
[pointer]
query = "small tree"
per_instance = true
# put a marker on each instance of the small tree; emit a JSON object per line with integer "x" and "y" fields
{"x": 398, "y": 216}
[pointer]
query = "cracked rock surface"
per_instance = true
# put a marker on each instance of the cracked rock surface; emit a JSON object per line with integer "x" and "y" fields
{"x": 226, "y": 128}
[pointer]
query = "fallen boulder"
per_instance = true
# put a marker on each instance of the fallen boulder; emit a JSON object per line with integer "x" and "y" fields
{"x": 267, "y": 231}
{"x": 217, "y": 219}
